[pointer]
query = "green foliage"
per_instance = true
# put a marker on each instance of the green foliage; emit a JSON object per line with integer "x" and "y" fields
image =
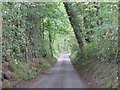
{"x": 36, "y": 31}
{"x": 74, "y": 48}
{"x": 20, "y": 70}
{"x": 19, "y": 74}
{"x": 75, "y": 56}
{"x": 18, "y": 64}
{"x": 25, "y": 38}
{"x": 91, "y": 50}
{"x": 99, "y": 24}
{"x": 99, "y": 29}
{"x": 46, "y": 64}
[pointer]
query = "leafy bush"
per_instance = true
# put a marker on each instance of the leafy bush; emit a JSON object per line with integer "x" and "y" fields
{"x": 74, "y": 56}
{"x": 46, "y": 64}
{"x": 74, "y": 47}
{"x": 90, "y": 50}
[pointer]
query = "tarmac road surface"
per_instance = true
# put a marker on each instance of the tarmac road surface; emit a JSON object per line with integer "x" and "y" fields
{"x": 63, "y": 75}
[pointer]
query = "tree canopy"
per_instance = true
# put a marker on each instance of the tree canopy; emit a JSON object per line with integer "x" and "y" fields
{"x": 46, "y": 29}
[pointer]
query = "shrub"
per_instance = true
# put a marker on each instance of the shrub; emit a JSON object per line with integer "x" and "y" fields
{"x": 90, "y": 50}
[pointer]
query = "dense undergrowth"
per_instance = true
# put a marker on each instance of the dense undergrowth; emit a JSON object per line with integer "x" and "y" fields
{"x": 34, "y": 33}
{"x": 20, "y": 71}
{"x": 100, "y": 72}
{"x": 96, "y": 54}
{"x": 28, "y": 39}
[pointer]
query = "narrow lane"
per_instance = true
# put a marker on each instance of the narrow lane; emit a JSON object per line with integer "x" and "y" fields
{"x": 63, "y": 75}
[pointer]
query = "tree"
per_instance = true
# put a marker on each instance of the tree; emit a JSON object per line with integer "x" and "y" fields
{"x": 74, "y": 22}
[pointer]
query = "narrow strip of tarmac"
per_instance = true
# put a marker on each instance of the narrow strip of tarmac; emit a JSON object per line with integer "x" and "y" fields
{"x": 63, "y": 75}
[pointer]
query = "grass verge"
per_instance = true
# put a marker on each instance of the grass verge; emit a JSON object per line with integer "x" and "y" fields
{"x": 17, "y": 72}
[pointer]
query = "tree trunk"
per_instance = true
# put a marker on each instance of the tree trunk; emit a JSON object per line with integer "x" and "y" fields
{"x": 50, "y": 41}
{"x": 75, "y": 24}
